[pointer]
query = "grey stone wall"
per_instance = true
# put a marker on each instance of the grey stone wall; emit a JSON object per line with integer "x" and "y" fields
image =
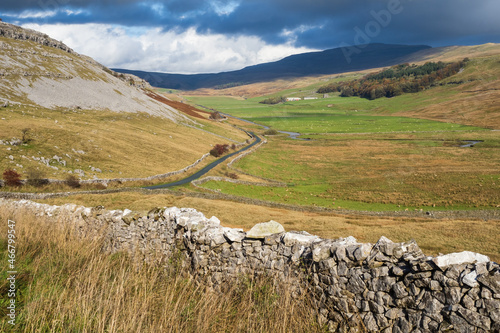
{"x": 387, "y": 286}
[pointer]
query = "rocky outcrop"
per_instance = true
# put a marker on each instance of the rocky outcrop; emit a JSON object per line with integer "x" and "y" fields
{"x": 41, "y": 71}
{"x": 15, "y": 32}
{"x": 381, "y": 287}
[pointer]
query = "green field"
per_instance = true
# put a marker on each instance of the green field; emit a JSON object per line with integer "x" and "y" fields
{"x": 336, "y": 123}
{"x": 332, "y": 115}
{"x": 362, "y": 158}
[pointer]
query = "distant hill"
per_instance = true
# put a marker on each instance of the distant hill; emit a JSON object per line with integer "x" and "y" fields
{"x": 331, "y": 61}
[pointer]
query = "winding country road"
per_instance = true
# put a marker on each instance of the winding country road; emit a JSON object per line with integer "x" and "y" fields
{"x": 205, "y": 169}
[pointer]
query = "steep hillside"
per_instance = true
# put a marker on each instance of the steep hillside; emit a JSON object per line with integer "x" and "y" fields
{"x": 313, "y": 63}
{"x": 63, "y": 114}
{"x": 470, "y": 97}
{"x": 37, "y": 70}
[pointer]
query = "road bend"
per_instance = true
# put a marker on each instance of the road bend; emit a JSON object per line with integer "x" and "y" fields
{"x": 207, "y": 168}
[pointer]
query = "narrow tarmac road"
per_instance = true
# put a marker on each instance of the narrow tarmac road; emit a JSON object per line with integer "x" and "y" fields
{"x": 205, "y": 169}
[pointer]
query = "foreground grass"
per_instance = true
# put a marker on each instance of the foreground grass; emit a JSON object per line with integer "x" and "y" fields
{"x": 66, "y": 284}
{"x": 434, "y": 236}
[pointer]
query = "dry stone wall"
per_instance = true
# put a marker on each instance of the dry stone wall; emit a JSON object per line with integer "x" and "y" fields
{"x": 382, "y": 287}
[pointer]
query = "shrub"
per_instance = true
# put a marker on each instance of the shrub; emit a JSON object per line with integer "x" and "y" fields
{"x": 26, "y": 135}
{"x": 219, "y": 150}
{"x": 271, "y": 131}
{"x": 36, "y": 178}
{"x": 73, "y": 181}
{"x": 12, "y": 178}
{"x": 274, "y": 100}
{"x": 215, "y": 115}
{"x": 232, "y": 175}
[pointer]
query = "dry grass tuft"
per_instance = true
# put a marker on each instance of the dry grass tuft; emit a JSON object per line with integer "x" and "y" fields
{"x": 67, "y": 284}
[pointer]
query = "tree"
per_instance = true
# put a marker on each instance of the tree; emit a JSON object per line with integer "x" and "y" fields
{"x": 12, "y": 178}
{"x": 219, "y": 150}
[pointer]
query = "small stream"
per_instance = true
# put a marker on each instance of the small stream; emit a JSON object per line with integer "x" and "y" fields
{"x": 292, "y": 135}
{"x": 470, "y": 143}
{"x": 296, "y": 135}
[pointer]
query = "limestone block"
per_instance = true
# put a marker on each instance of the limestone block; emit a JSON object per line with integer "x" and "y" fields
{"x": 470, "y": 279}
{"x": 234, "y": 235}
{"x": 215, "y": 235}
{"x": 475, "y": 318}
{"x": 465, "y": 257}
{"x": 262, "y": 230}
{"x": 302, "y": 238}
{"x": 490, "y": 281}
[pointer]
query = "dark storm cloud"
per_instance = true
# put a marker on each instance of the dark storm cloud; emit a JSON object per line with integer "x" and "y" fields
{"x": 315, "y": 24}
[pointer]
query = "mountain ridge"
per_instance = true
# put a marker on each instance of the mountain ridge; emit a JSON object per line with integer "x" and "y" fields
{"x": 331, "y": 61}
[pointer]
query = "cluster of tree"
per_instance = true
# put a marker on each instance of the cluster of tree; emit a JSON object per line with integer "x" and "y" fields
{"x": 397, "y": 80}
{"x": 220, "y": 149}
{"x": 215, "y": 115}
{"x": 35, "y": 178}
{"x": 274, "y": 100}
{"x": 229, "y": 85}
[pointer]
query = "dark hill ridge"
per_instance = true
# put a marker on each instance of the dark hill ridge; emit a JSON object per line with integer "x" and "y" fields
{"x": 331, "y": 61}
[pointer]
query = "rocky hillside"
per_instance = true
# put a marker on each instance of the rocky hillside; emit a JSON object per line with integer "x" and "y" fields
{"x": 62, "y": 113}
{"x": 40, "y": 71}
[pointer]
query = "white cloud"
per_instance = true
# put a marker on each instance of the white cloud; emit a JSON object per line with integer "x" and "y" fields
{"x": 224, "y": 8}
{"x": 170, "y": 52}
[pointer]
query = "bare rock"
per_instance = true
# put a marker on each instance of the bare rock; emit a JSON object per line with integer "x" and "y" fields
{"x": 262, "y": 230}
{"x": 465, "y": 257}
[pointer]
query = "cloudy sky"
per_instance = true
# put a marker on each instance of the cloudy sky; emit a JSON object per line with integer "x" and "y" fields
{"x": 194, "y": 36}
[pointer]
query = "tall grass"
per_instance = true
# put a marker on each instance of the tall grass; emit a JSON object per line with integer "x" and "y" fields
{"x": 67, "y": 284}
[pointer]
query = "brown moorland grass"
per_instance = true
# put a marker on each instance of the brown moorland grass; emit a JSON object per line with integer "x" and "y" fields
{"x": 67, "y": 284}
{"x": 434, "y": 236}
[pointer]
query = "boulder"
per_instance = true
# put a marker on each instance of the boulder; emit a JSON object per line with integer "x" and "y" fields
{"x": 296, "y": 237}
{"x": 465, "y": 257}
{"x": 262, "y": 230}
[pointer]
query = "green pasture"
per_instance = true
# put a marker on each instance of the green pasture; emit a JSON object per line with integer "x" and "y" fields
{"x": 377, "y": 172}
{"x": 334, "y": 123}
{"x": 361, "y": 157}
{"x": 301, "y": 195}
{"x": 335, "y": 114}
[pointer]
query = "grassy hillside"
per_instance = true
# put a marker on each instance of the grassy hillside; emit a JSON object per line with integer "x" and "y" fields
{"x": 49, "y": 77}
{"x": 294, "y": 66}
{"x": 119, "y": 144}
{"x": 62, "y": 112}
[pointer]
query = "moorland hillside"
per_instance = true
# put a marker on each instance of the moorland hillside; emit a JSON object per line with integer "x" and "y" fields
{"x": 63, "y": 113}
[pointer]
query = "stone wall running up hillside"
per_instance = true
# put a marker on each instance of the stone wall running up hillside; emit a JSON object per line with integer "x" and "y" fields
{"x": 387, "y": 287}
